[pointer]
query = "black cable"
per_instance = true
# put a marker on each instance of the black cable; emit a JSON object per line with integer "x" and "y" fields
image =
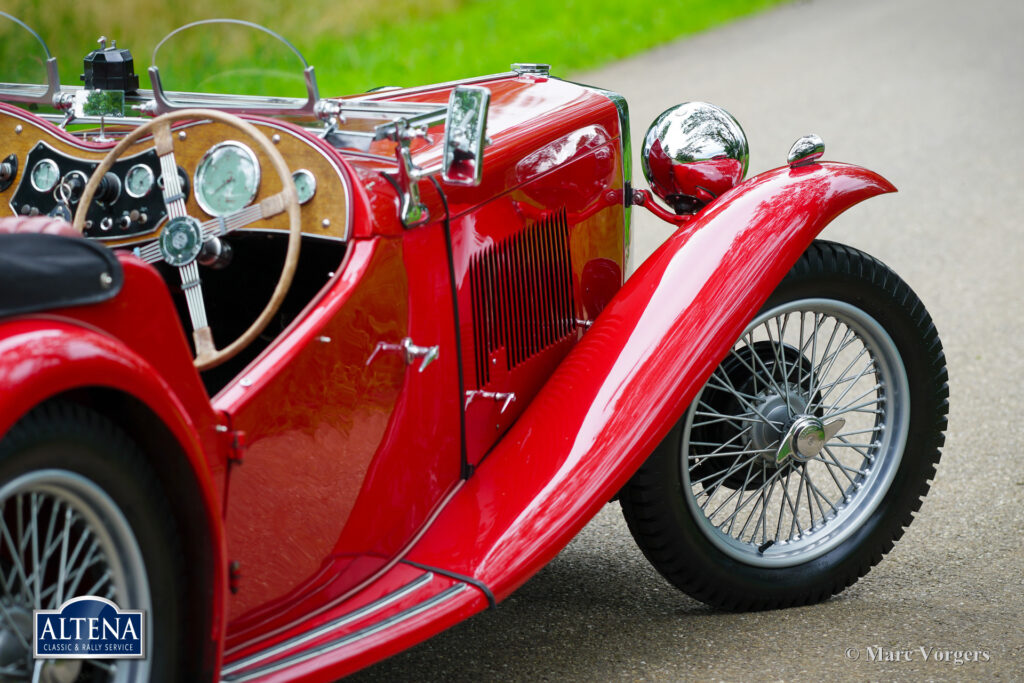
{"x": 467, "y": 469}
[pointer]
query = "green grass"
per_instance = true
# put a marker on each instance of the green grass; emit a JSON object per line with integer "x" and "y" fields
{"x": 360, "y": 44}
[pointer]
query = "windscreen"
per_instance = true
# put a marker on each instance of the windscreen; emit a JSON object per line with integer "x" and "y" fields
{"x": 23, "y": 57}
{"x": 227, "y": 56}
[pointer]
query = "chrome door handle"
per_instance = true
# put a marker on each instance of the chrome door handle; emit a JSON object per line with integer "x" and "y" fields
{"x": 505, "y": 398}
{"x": 409, "y": 350}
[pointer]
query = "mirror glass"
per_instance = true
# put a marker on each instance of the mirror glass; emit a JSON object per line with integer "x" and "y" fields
{"x": 465, "y": 134}
{"x": 99, "y": 103}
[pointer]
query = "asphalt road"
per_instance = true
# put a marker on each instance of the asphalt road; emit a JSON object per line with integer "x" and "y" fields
{"x": 930, "y": 93}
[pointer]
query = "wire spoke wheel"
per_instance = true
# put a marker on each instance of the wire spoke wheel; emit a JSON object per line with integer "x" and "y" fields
{"x": 809, "y": 448}
{"x": 814, "y": 358}
{"x": 62, "y": 537}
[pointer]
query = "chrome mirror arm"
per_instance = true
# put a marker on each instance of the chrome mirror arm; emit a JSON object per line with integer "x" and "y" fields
{"x": 412, "y": 211}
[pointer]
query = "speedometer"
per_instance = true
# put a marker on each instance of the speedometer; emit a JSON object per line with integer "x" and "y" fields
{"x": 227, "y": 178}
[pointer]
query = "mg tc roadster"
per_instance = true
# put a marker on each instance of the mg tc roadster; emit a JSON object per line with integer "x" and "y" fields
{"x": 306, "y": 380}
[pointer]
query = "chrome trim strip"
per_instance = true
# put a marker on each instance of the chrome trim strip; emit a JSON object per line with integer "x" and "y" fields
{"x": 427, "y": 88}
{"x": 370, "y": 608}
{"x": 626, "y": 147}
{"x": 298, "y": 658}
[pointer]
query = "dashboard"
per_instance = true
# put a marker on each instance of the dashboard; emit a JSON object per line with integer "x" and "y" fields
{"x": 219, "y": 170}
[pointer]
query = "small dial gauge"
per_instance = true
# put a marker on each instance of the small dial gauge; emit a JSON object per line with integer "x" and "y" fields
{"x": 45, "y": 175}
{"x": 138, "y": 182}
{"x": 305, "y": 185}
{"x": 227, "y": 178}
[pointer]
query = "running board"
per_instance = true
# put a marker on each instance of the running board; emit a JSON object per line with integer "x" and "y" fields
{"x": 363, "y": 628}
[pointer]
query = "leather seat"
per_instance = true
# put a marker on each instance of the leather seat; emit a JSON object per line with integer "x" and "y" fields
{"x": 36, "y": 224}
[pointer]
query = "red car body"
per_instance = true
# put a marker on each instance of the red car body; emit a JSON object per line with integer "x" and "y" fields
{"x": 341, "y": 505}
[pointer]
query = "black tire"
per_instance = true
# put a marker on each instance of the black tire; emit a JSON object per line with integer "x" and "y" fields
{"x": 703, "y": 554}
{"x": 76, "y": 463}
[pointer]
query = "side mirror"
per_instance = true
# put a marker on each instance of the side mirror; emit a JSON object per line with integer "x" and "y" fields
{"x": 465, "y": 133}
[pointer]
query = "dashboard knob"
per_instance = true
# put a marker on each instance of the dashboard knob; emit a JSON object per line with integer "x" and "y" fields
{"x": 109, "y": 189}
{"x": 107, "y": 223}
{"x": 124, "y": 222}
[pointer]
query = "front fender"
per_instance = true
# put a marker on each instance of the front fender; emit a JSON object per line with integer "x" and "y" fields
{"x": 631, "y": 377}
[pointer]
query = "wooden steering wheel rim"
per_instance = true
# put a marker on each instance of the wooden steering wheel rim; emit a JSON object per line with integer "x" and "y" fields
{"x": 207, "y": 355}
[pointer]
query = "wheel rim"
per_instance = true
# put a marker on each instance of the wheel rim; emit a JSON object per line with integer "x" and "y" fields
{"x": 825, "y": 360}
{"x": 62, "y": 536}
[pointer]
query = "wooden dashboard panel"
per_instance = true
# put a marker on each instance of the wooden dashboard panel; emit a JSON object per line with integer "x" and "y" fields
{"x": 325, "y": 215}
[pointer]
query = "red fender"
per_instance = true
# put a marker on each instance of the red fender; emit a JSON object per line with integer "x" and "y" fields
{"x": 43, "y": 356}
{"x": 631, "y": 377}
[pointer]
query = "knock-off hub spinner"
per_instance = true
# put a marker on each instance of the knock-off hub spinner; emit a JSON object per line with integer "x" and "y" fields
{"x": 806, "y": 437}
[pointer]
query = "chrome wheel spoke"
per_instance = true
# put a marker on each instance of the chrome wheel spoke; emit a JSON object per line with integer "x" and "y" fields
{"x": 58, "y": 537}
{"x": 812, "y": 362}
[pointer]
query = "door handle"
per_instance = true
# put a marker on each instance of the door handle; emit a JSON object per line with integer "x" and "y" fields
{"x": 504, "y": 398}
{"x": 410, "y": 351}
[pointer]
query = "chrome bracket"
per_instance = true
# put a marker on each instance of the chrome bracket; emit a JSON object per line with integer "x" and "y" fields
{"x": 504, "y": 398}
{"x": 412, "y": 211}
{"x": 531, "y": 69}
{"x": 410, "y": 351}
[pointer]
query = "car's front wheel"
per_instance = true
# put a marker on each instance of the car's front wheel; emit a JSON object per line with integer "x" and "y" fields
{"x": 805, "y": 454}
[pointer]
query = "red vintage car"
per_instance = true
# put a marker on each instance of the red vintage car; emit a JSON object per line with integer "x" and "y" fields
{"x": 308, "y": 380}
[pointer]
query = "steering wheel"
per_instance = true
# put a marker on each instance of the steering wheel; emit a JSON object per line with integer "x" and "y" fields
{"x": 181, "y": 240}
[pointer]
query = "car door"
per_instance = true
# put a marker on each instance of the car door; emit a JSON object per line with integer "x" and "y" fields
{"x": 349, "y": 445}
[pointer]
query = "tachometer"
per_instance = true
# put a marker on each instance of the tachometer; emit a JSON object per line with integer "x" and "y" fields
{"x": 227, "y": 178}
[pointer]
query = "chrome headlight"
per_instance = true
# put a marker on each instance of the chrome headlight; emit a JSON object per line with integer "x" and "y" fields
{"x": 692, "y": 153}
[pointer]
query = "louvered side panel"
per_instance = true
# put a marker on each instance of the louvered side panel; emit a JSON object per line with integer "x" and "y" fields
{"x": 522, "y": 295}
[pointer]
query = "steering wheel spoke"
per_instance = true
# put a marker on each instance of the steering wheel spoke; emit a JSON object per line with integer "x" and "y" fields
{"x": 174, "y": 195}
{"x": 271, "y": 206}
{"x": 192, "y": 286}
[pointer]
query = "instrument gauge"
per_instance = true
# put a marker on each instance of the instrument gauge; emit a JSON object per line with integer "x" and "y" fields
{"x": 305, "y": 185}
{"x": 139, "y": 180}
{"x": 45, "y": 175}
{"x": 227, "y": 178}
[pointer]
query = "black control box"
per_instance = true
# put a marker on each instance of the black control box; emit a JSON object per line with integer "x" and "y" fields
{"x": 110, "y": 68}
